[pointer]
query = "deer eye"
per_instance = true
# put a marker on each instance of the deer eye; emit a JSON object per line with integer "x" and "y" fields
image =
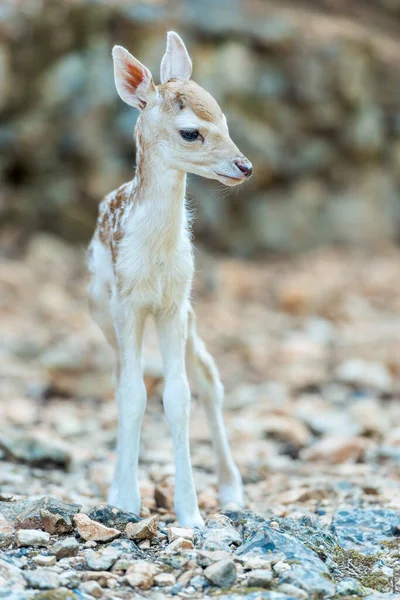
{"x": 189, "y": 135}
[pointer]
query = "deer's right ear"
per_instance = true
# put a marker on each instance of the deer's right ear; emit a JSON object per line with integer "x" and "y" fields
{"x": 133, "y": 80}
{"x": 176, "y": 61}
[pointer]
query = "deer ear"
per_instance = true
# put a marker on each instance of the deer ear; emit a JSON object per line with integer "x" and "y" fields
{"x": 176, "y": 60}
{"x": 133, "y": 80}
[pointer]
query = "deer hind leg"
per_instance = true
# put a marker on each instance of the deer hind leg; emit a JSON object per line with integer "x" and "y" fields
{"x": 211, "y": 391}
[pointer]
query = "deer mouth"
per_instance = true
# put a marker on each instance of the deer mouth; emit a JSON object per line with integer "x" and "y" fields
{"x": 229, "y": 179}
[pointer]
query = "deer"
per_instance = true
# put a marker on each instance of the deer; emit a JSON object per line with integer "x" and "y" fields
{"x": 141, "y": 264}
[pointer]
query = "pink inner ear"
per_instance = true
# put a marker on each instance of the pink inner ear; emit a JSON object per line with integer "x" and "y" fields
{"x": 133, "y": 77}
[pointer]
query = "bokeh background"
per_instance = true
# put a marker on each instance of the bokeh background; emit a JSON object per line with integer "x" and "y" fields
{"x": 311, "y": 89}
{"x": 298, "y": 272}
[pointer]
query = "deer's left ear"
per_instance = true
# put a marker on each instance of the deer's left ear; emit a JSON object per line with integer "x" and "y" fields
{"x": 176, "y": 61}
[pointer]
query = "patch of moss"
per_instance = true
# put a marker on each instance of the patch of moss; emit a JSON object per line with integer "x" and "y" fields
{"x": 60, "y": 594}
{"x": 392, "y": 544}
{"x": 243, "y": 591}
{"x": 351, "y": 563}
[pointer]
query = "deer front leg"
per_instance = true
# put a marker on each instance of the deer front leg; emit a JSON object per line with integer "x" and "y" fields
{"x": 173, "y": 333}
{"x": 131, "y": 398}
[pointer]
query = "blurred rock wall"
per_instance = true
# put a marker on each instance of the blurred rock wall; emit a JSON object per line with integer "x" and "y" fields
{"x": 311, "y": 91}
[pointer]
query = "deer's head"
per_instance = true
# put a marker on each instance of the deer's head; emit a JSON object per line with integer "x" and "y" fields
{"x": 179, "y": 116}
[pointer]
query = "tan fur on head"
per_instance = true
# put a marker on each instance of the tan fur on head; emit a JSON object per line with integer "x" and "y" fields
{"x": 189, "y": 94}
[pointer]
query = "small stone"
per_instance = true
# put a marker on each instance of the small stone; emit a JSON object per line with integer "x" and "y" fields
{"x": 102, "y": 577}
{"x": 337, "y": 449}
{"x": 32, "y": 537}
{"x": 292, "y": 591}
{"x": 260, "y": 578}
{"x": 111, "y": 516}
{"x": 6, "y": 528}
{"x": 103, "y": 560}
{"x": 256, "y": 562}
{"x": 205, "y": 558}
{"x": 281, "y": 567}
{"x": 70, "y": 579}
{"x": 164, "y": 496}
{"x": 220, "y": 531}
{"x": 144, "y": 529}
{"x": 90, "y": 544}
{"x": 42, "y": 560}
{"x": 164, "y": 579}
{"x": 364, "y": 374}
{"x": 222, "y": 573}
{"x": 123, "y": 564}
{"x": 179, "y": 545}
{"x": 199, "y": 582}
{"x": 141, "y": 575}
{"x": 42, "y": 579}
{"x": 53, "y": 523}
{"x": 144, "y": 544}
{"x": 92, "y": 588}
{"x": 65, "y": 548}
{"x": 180, "y": 532}
{"x": 92, "y": 530}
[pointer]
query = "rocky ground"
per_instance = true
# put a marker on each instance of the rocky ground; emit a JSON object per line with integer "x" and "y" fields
{"x": 309, "y": 352}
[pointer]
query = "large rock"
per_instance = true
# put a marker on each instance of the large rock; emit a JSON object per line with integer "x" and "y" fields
{"x": 47, "y": 513}
{"x": 306, "y": 569}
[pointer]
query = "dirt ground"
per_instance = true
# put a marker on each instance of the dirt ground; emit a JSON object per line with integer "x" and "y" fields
{"x": 308, "y": 349}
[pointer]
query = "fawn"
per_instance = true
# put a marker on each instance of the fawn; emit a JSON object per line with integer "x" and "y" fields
{"x": 141, "y": 263}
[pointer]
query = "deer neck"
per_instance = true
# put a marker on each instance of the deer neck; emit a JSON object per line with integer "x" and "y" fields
{"x": 159, "y": 191}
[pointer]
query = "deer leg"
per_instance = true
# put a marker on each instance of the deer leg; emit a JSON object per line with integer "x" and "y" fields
{"x": 172, "y": 331}
{"x": 212, "y": 394}
{"x": 131, "y": 399}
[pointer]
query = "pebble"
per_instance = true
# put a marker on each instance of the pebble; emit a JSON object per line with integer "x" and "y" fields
{"x": 92, "y": 588}
{"x": 65, "y": 548}
{"x": 179, "y": 545}
{"x": 222, "y": 573}
{"x": 260, "y": 578}
{"x": 293, "y": 591}
{"x": 92, "y": 530}
{"x": 144, "y": 529}
{"x": 32, "y": 537}
{"x": 205, "y": 558}
{"x": 6, "y": 528}
{"x": 141, "y": 575}
{"x": 180, "y": 532}
{"x": 281, "y": 567}
{"x": 365, "y": 374}
{"x": 164, "y": 579}
{"x": 102, "y": 560}
{"x": 42, "y": 560}
{"x": 336, "y": 449}
{"x": 42, "y": 579}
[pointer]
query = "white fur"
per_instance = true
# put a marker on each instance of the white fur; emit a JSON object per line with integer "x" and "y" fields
{"x": 152, "y": 274}
{"x": 176, "y": 61}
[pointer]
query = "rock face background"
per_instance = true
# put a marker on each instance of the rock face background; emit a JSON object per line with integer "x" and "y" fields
{"x": 311, "y": 90}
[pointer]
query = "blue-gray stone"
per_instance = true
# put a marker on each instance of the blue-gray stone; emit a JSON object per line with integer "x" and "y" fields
{"x": 365, "y": 530}
{"x": 307, "y": 569}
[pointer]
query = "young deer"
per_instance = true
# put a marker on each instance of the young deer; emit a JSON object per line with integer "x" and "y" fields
{"x": 141, "y": 262}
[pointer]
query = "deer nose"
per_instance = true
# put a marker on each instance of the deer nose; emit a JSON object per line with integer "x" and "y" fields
{"x": 244, "y": 166}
